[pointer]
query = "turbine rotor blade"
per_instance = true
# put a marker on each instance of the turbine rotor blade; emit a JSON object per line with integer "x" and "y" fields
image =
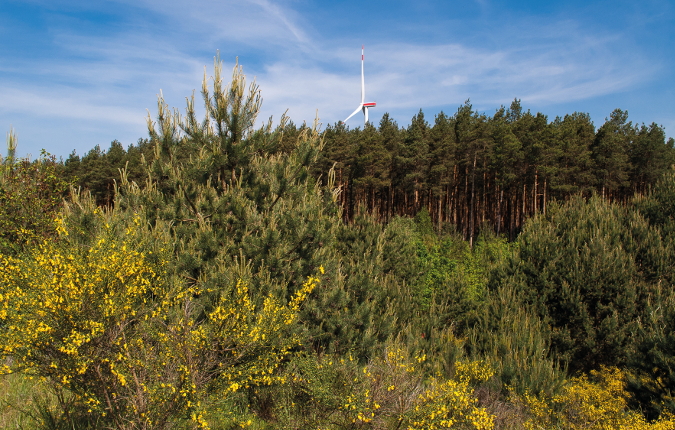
{"x": 354, "y": 113}
{"x": 365, "y": 114}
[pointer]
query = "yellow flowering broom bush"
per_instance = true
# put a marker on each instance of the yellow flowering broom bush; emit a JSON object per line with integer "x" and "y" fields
{"x": 128, "y": 348}
{"x": 451, "y": 403}
{"x": 598, "y": 401}
{"x": 390, "y": 392}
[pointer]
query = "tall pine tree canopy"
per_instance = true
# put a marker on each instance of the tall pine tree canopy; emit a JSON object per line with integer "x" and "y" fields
{"x": 470, "y": 168}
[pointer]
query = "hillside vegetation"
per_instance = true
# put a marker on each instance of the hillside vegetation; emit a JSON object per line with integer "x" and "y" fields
{"x": 480, "y": 273}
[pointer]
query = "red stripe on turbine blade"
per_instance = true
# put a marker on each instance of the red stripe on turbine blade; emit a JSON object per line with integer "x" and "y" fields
{"x": 371, "y": 104}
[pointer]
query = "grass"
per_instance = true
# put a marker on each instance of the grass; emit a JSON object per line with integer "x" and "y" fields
{"x": 16, "y": 398}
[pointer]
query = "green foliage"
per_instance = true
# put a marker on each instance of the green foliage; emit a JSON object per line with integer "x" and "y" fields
{"x": 31, "y": 193}
{"x": 610, "y": 152}
{"x": 336, "y": 392}
{"x": 238, "y": 209}
{"x": 586, "y": 268}
{"x": 517, "y": 344}
{"x": 455, "y": 276}
{"x": 368, "y": 299}
{"x": 98, "y": 171}
{"x": 649, "y": 157}
{"x": 658, "y": 206}
{"x": 575, "y": 171}
{"x": 653, "y": 378}
{"x": 652, "y": 364}
{"x": 424, "y": 225}
{"x": 469, "y": 169}
{"x": 126, "y": 345}
{"x": 178, "y": 306}
{"x": 398, "y": 280}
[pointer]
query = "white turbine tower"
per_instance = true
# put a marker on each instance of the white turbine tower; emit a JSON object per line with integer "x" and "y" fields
{"x": 363, "y": 106}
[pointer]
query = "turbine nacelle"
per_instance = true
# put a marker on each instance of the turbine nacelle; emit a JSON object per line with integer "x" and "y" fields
{"x": 363, "y": 106}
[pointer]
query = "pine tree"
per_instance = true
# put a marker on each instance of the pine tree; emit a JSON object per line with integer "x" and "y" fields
{"x": 650, "y": 157}
{"x": 574, "y": 138}
{"x": 508, "y": 167}
{"x": 239, "y": 207}
{"x": 441, "y": 178}
{"x": 414, "y": 161}
{"x": 392, "y": 137}
{"x": 242, "y": 204}
{"x": 587, "y": 269}
{"x": 610, "y": 154}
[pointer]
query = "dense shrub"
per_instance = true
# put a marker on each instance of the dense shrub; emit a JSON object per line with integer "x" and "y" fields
{"x": 124, "y": 347}
{"x": 597, "y": 401}
{"x": 389, "y": 392}
{"x": 31, "y": 193}
{"x": 587, "y": 269}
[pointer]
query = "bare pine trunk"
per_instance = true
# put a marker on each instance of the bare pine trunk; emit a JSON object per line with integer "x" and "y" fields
{"x": 499, "y": 216}
{"x": 472, "y": 224}
{"x": 544, "y": 207}
{"x": 522, "y": 213}
{"x": 536, "y": 183}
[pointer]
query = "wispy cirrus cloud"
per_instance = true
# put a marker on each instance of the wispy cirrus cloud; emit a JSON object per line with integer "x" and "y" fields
{"x": 282, "y": 15}
{"x": 403, "y": 78}
{"x": 65, "y": 104}
{"x": 261, "y": 24}
{"x": 106, "y": 80}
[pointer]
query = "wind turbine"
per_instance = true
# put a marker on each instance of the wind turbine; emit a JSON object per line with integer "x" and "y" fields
{"x": 363, "y": 106}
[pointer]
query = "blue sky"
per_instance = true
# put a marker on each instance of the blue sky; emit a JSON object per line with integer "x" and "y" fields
{"x": 74, "y": 74}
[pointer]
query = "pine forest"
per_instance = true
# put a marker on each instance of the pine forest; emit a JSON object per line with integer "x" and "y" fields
{"x": 470, "y": 271}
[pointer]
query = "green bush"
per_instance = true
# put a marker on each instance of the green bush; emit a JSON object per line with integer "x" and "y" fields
{"x": 587, "y": 269}
{"x": 31, "y": 194}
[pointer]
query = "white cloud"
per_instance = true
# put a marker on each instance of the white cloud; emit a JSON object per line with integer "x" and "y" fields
{"x": 259, "y": 23}
{"x": 115, "y": 76}
{"x": 408, "y": 77}
{"x": 66, "y": 104}
{"x": 277, "y": 13}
